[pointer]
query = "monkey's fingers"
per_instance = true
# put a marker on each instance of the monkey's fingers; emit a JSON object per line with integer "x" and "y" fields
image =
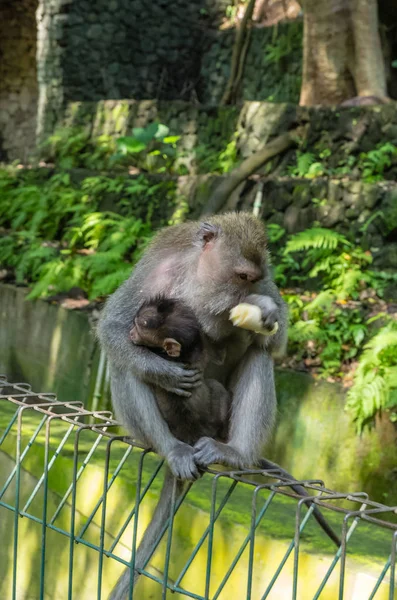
{"x": 206, "y": 452}
{"x": 193, "y": 379}
{"x": 189, "y": 372}
{"x": 179, "y": 391}
{"x": 182, "y": 463}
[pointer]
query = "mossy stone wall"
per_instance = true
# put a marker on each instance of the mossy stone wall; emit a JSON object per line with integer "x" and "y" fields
{"x": 92, "y": 50}
{"x": 18, "y": 78}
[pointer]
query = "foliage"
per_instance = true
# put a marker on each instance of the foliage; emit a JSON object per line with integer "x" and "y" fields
{"x": 152, "y": 148}
{"x": 283, "y": 44}
{"x": 375, "y": 380}
{"x": 374, "y": 163}
{"x": 306, "y": 166}
{"x": 55, "y": 236}
{"x": 149, "y": 149}
{"x": 282, "y": 63}
{"x": 344, "y": 269}
{"x": 330, "y": 331}
{"x": 217, "y": 161}
{"x": 73, "y": 147}
{"x": 370, "y": 166}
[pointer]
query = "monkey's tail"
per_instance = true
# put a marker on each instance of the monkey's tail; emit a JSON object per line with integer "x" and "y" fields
{"x": 299, "y": 489}
{"x": 150, "y": 537}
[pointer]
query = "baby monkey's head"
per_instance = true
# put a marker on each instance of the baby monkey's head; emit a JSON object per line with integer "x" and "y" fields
{"x": 167, "y": 324}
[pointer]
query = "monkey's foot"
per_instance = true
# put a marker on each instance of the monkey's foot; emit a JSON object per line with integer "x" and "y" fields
{"x": 208, "y": 451}
{"x": 182, "y": 462}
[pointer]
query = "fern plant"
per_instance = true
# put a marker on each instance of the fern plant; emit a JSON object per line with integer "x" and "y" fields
{"x": 307, "y": 166}
{"x": 98, "y": 257}
{"x": 375, "y": 380}
{"x": 328, "y": 327}
{"x": 54, "y": 237}
{"x": 342, "y": 268}
{"x": 374, "y": 163}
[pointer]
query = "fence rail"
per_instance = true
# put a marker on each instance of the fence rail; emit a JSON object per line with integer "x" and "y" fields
{"x": 67, "y": 474}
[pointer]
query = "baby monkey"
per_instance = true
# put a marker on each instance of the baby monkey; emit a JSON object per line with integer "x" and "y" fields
{"x": 169, "y": 328}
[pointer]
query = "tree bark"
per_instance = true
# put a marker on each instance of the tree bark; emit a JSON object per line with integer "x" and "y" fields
{"x": 342, "y": 55}
{"x": 369, "y": 68}
{"x": 327, "y": 50}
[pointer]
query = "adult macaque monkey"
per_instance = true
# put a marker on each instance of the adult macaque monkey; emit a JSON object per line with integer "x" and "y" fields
{"x": 212, "y": 267}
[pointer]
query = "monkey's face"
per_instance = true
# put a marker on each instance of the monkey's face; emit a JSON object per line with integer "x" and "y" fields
{"x": 232, "y": 259}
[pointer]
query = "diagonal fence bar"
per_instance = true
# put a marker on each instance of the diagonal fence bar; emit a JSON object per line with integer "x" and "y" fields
{"x": 84, "y": 494}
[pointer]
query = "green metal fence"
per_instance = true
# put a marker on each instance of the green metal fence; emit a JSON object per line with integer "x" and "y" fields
{"x": 73, "y": 492}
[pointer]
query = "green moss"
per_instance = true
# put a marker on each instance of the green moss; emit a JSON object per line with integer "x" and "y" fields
{"x": 368, "y": 543}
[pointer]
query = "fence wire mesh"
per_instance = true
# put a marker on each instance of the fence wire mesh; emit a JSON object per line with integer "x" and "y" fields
{"x": 75, "y": 497}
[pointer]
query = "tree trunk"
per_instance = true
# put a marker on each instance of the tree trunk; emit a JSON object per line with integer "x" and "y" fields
{"x": 369, "y": 68}
{"x": 238, "y": 55}
{"x": 342, "y": 54}
{"x": 327, "y": 48}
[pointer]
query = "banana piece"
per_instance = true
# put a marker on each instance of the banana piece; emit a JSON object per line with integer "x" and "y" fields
{"x": 249, "y": 316}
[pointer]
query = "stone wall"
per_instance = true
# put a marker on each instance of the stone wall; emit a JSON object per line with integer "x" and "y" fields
{"x": 48, "y": 346}
{"x": 343, "y": 131}
{"x": 99, "y": 49}
{"x": 366, "y": 213}
{"x": 18, "y": 85}
{"x": 92, "y": 50}
{"x": 133, "y": 48}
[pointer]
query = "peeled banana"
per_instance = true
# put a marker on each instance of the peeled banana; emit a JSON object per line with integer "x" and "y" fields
{"x": 249, "y": 316}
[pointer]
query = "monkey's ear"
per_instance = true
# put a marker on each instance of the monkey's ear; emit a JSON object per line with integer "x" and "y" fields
{"x": 172, "y": 347}
{"x": 208, "y": 232}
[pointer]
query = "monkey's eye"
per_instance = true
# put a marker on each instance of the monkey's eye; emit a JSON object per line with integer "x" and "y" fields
{"x": 144, "y": 323}
{"x": 243, "y": 276}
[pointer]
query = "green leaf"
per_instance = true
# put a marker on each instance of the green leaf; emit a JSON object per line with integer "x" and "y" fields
{"x": 162, "y": 131}
{"x": 130, "y": 145}
{"x": 171, "y": 139}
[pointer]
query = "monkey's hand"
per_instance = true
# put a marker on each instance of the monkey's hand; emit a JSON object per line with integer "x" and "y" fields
{"x": 208, "y": 451}
{"x": 269, "y": 309}
{"x": 176, "y": 378}
{"x": 181, "y": 460}
{"x": 179, "y": 379}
